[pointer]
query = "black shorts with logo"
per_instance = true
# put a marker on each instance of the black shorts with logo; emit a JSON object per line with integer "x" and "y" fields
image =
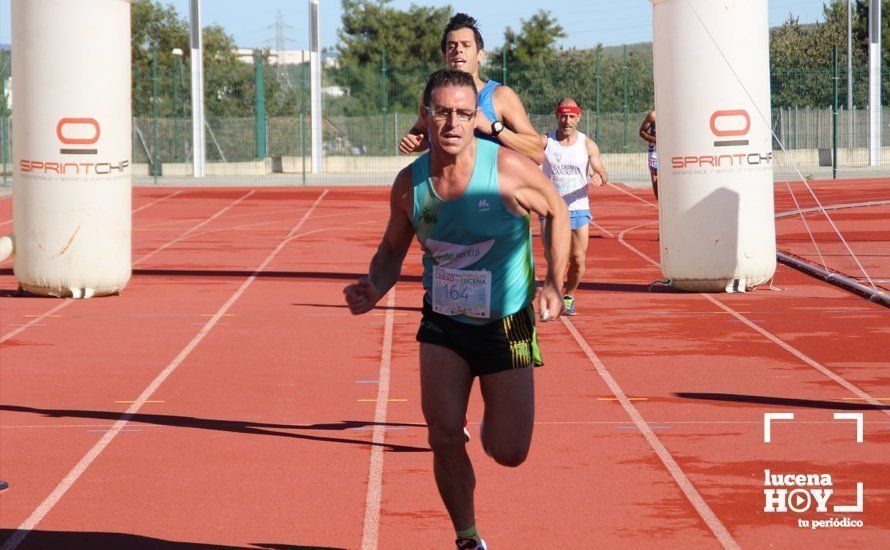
{"x": 504, "y": 344}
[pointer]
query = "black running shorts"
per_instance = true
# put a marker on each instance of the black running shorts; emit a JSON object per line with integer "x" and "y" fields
{"x": 504, "y": 344}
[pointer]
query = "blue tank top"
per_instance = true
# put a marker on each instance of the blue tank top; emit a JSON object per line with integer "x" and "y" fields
{"x": 486, "y": 105}
{"x": 475, "y": 237}
{"x": 652, "y": 131}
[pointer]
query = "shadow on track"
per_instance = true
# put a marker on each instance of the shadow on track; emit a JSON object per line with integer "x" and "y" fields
{"x": 234, "y": 426}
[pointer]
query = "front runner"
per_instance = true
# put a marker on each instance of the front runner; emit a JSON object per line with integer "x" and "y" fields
{"x": 501, "y": 117}
{"x": 570, "y": 159}
{"x": 468, "y": 202}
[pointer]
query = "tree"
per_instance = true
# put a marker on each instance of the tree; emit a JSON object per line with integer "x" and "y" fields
{"x": 802, "y": 56}
{"x": 158, "y": 29}
{"x": 409, "y": 37}
{"x": 229, "y": 84}
{"x": 533, "y": 61}
{"x": 535, "y": 43}
{"x": 411, "y": 40}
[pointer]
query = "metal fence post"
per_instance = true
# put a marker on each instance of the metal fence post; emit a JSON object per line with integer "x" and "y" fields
{"x": 175, "y": 109}
{"x": 596, "y": 79}
{"x": 303, "y": 120}
{"x": 154, "y": 116}
{"x": 625, "y": 98}
{"x": 260, "y": 98}
{"x": 834, "y": 119}
{"x": 181, "y": 107}
{"x": 395, "y": 133}
{"x": 384, "y": 100}
{"x": 849, "y": 73}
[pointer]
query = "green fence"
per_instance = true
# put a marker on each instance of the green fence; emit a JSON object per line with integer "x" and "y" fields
{"x": 368, "y": 109}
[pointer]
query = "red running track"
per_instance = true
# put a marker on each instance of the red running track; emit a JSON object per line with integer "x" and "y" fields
{"x": 228, "y": 399}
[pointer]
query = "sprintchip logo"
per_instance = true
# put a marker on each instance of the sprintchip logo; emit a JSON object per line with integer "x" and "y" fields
{"x": 727, "y": 124}
{"x": 731, "y": 127}
{"x": 77, "y": 136}
{"x": 78, "y": 131}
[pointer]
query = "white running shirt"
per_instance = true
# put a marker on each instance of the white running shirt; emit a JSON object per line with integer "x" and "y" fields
{"x": 566, "y": 167}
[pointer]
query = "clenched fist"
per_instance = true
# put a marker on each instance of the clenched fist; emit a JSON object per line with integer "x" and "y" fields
{"x": 362, "y": 296}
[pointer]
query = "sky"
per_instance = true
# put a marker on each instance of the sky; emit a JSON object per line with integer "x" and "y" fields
{"x": 587, "y": 22}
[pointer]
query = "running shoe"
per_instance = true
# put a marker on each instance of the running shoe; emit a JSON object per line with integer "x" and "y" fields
{"x": 568, "y": 303}
{"x": 470, "y": 544}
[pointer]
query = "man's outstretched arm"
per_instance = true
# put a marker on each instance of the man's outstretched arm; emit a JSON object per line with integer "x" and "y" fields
{"x": 533, "y": 192}
{"x": 595, "y": 164}
{"x": 518, "y": 134}
{"x": 386, "y": 265}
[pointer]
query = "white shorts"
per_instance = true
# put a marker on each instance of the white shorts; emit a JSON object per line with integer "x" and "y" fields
{"x": 653, "y": 161}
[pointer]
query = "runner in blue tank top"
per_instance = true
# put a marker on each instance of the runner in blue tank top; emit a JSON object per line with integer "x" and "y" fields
{"x": 502, "y": 118}
{"x": 468, "y": 202}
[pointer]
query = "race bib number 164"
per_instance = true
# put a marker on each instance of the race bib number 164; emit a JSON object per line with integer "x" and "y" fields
{"x": 460, "y": 292}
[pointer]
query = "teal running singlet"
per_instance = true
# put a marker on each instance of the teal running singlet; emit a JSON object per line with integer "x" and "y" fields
{"x": 477, "y": 255}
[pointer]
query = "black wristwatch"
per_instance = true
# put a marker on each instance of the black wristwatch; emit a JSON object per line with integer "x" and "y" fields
{"x": 496, "y": 128}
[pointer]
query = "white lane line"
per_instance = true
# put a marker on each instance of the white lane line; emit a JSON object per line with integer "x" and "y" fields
{"x": 36, "y": 426}
{"x": 254, "y": 225}
{"x": 855, "y": 390}
{"x": 165, "y": 197}
{"x": 329, "y": 228}
{"x": 169, "y": 224}
{"x": 626, "y": 192}
{"x": 371, "y": 528}
{"x": 143, "y": 207}
{"x": 67, "y": 302}
{"x": 603, "y": 229}
{"x": 44, "y": 508}
{"x": 193, "y": 229}
{"x": 695, "y": 498}
{"x": 635, "y": 249}
{"x": 35, "y": 321}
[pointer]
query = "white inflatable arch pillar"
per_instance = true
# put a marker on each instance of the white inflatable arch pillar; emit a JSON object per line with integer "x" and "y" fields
{"x": 72, "y": 146}
{"x": 712, "y": 101}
